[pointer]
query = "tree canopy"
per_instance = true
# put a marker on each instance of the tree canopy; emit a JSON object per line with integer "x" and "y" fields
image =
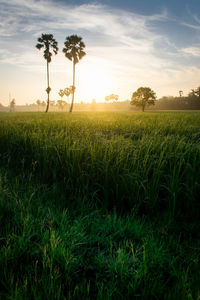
{"x": 74, "y": 47}
{"x": 47, "y": 42}
{"x": 144, "y": 96}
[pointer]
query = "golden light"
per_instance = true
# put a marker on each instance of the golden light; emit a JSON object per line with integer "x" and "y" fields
{"x": 96, "y": 82}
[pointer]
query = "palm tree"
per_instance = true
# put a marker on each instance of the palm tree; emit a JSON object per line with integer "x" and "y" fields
{"x": 12, "y": 105}
{"x": 47, "y": 42}
{"x": 61, "y": 94}
{"x": 73, "y": 50}
{"x": 180, "y": 93}
{"x": 67, "y": 92}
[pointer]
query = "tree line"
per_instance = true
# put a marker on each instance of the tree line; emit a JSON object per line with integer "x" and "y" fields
{"x": 191, "y": 101}
{"x": 145, "y": 97}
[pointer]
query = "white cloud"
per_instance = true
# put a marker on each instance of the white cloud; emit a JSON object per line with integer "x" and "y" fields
{"x": 121, "y": 41}
{"x": 191, "y": 51}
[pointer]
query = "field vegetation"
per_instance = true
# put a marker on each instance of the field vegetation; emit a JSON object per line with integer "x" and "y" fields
{"x": 100, "y": 205}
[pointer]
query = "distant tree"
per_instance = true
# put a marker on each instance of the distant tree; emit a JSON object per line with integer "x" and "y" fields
{"x": 61, "y": 104}
{"x": 61, "y": 94}
{"x": 67, "y": 92}
{"x": 74, "y": 51}
{"x": 52, "y": 103}
{"x": 12, "y": 105}
{"x": 112, "y": 97}
{"x": 194, "y": 98}
{"x": 43, "y": 104}
{"x": 47, "y": 42}
{"x": 107, "y": 98}
{"x": 192, "y": 93}
{"x": 197, "y": 92}
{"x": 144, "y": 96}
{"x": 180, "y": 93}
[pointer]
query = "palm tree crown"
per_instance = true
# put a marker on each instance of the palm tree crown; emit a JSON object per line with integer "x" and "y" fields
{"x": 74, "y": 47}
{"x": 47, "y": 41}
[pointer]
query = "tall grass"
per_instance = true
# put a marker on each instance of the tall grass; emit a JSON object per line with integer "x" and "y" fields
{"x": 49, "y": 252}
{"x": 121, "y": 160}
{"x": 99, "y": 205}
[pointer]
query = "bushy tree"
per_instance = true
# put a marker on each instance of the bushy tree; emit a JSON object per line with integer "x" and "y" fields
{"x": 144, "y": 96}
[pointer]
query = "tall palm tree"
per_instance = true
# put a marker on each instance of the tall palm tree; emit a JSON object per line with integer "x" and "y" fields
{"x": 73, "y": 50}
{"x": 47, "y": 42}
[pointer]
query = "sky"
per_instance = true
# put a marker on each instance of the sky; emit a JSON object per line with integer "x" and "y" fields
{"x": 129, "y": 44}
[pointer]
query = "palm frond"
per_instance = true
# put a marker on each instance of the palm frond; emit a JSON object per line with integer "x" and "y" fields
{"x": 74, "y": 47}
{"x": 48, "y": 42}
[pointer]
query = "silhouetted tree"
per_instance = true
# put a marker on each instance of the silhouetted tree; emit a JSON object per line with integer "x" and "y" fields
{"x": 144, "y": 96}
{"x": 197, "y": 92}
{"x": 67, "y": 92}
{"x": 47, "y": 42}
{"x": 74, "y": 51}
{"x": 12, "y": 105}
{"x": 192, "y": 93}
{"x": 180, "y": 93}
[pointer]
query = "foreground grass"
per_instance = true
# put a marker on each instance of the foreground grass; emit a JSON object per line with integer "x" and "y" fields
{"x": 100, "y": 205}
{"x": 116, "y": 160}
{"x": 50, "y": 252}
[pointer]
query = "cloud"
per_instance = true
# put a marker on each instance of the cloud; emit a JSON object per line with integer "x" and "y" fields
{"x": 191, "y": 51}
{"x": 116, "y": 29}
{"x": 124, "y": 42}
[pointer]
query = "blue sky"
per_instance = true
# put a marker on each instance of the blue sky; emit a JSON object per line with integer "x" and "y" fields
{"x": 129, "y": 44}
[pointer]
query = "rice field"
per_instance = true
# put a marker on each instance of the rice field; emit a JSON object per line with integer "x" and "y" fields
{"x": 100, "y": 205}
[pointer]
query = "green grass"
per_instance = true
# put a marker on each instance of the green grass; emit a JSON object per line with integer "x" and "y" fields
{"x": 99, "y": 205}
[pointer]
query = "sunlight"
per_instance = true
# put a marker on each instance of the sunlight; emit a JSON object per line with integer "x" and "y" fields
{"x": 96, "y": 82}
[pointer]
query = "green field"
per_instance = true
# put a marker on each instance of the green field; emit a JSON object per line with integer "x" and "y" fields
{"x": 100, "y": 205}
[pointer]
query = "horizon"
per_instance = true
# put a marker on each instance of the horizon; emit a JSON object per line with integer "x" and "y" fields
{"x": 139, "y": 44}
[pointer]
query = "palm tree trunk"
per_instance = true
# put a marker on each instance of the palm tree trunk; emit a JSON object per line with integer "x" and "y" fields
{"x": 71, "y": 107}
{"x": 47, "y": 108}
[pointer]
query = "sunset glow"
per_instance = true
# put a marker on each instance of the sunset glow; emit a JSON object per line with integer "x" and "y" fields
{"x": 96, "y": 82}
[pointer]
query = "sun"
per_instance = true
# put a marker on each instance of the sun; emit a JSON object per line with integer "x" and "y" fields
{"x": 96, "y": 81}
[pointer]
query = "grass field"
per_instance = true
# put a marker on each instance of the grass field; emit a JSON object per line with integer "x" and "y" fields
{"x": 100, "y": 205}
